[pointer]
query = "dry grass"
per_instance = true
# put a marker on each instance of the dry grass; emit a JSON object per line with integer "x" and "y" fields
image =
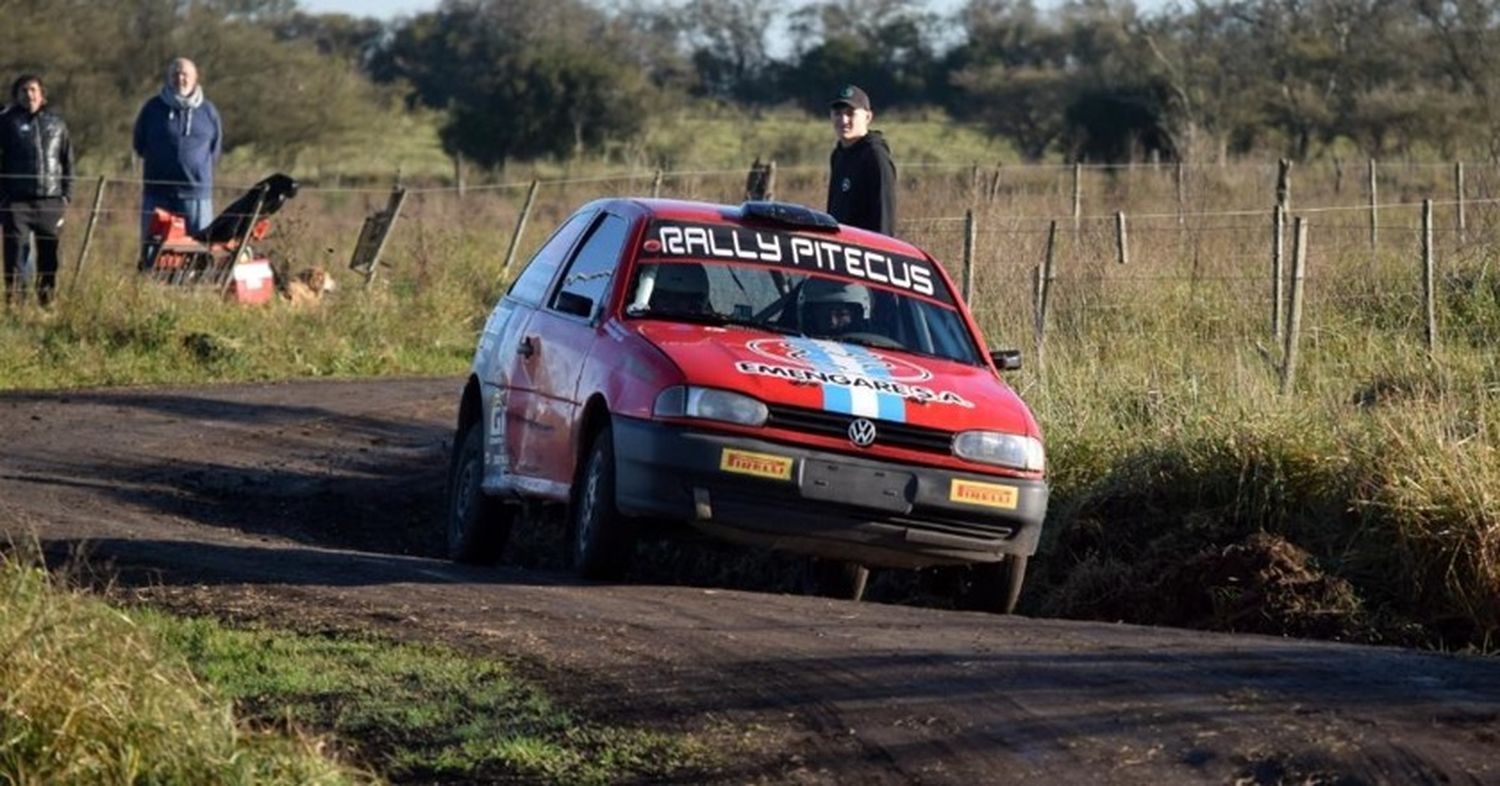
{"x": 1158, "y": 386}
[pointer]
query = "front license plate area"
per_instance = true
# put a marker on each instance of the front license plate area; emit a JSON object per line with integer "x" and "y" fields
{"x": 846, "y": 484}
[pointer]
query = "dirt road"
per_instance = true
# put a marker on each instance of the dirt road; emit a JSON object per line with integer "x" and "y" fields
{"x": 316, "y": 504}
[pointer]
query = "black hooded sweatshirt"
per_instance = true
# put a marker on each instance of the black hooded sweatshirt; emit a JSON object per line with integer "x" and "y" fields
{"x": 862, "y": 184}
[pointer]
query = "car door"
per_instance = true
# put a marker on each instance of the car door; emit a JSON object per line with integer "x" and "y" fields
{"x": 504, "y": 377}
{"x": 562, "y": 334}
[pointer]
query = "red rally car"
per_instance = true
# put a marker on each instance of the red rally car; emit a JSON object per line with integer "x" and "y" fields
{"x": 760, "y": 372}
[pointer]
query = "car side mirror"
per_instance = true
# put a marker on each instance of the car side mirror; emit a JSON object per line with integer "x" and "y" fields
{"x": 1006, "y": 359}
{"x": 575, "y": 304}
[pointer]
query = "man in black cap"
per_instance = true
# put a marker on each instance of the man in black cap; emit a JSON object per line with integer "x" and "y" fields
{"x": 862, "y": 185}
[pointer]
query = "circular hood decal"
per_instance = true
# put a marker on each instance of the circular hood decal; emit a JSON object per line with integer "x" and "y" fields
{"x": 873, "y": 363}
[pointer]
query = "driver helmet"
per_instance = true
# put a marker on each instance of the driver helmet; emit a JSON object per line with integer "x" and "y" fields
{"x": 829, "y": 306}
{"x": 681, "y": 287}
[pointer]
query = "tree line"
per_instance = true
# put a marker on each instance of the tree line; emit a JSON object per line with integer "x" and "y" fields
{"x": 1089, "y": 80}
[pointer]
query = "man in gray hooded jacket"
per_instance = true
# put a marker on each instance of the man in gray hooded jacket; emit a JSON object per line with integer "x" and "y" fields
{"x": 179, "y": 136}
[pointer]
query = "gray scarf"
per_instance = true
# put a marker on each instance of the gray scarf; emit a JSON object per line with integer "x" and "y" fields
{"x": 185, "y": 103}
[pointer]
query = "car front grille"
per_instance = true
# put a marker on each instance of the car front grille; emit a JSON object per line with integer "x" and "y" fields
{"x": 976, "y": 530}
{"x": 901, "y": 435}
{"x": 812, "y": 518}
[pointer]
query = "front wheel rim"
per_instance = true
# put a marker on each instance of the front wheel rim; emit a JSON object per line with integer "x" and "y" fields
{"x": 588, "y": 510}
{"x": 463, "y": 502}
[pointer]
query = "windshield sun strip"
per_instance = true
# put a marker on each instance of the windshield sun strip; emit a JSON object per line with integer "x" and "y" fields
{"x": 899, "y": 292}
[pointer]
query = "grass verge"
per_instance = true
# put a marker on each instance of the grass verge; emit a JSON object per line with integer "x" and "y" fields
{"x": 92, "y": 696}
{"x": 420, "y": 712}
{"x": 96, "y": 694}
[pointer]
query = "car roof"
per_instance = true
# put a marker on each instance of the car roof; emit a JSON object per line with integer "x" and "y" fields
{"x": 714, "y": 213}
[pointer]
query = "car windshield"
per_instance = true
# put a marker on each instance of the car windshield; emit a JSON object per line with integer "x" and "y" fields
{"x": 783, "y": 301}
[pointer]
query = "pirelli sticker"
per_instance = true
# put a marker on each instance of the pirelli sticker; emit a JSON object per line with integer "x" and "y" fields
{"x": 760, "y": 465}
{"x": 988, "y": 495}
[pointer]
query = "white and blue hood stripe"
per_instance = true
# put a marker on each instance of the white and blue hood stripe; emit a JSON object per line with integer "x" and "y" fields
{"x": 855, "y": 361}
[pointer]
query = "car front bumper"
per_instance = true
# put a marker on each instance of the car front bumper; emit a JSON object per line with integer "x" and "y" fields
{"x": 876, "y": 512}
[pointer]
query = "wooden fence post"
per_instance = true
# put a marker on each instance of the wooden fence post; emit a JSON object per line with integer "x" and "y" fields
{"x": 1284, "y": 184}
{"x": 760, "y": 183}
{"x": 1038, "y": 318}
{"x": 88, "y": 234}
{"x": 656, "y": 185}
{"x": 1077, "y": 196}
{"x": 1461, "y": 218}
{"x": 1429, "y": 295}
{"x": 515, "y": 239}
{"x": 1122, "y": 245}
{"x": 755, "y": 183}
{"x": 1374, "y": 214}
{"x": 1181, "y": 196}
{"x": 458, "y": 174}
{"x": 1278, "y": 278}
{"x": 1294, "y": 308}
{"x": 969, "y": 237}
{"x": 1045, "y": 275}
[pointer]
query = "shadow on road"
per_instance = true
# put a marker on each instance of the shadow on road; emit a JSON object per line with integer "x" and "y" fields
{"x": 199, "y": 403}
{"x": 137, "y": 563}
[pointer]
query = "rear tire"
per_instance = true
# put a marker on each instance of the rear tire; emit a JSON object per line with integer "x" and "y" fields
{"x": 478, "y": 524}
{"x": 603, "y": 539}
{"x": 834, "y": 578}
{"x": 996, "y": 586}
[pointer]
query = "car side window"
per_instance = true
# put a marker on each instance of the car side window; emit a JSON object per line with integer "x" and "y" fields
{"x": 586, "y": 282}
{"x": 531, "y": 285}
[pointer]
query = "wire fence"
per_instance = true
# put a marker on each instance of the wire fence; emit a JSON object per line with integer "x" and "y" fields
{"x": 1045, "y": 251}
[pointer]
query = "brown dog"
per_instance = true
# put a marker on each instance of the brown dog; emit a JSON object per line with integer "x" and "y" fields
{"x": 309, "y": 286}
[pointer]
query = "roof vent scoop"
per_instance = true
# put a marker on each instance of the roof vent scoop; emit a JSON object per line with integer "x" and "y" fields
{"x": 787, "y": 214}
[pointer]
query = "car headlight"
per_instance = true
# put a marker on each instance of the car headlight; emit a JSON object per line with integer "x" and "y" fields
{"x": 1006, "y": 450}
{"x": 687, "y": 401}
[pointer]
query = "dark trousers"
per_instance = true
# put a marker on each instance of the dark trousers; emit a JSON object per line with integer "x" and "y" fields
{"x": 42, "y": 218}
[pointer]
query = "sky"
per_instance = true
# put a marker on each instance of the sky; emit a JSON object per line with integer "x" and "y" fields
{"x": 388, "y": 9}
{"x": 384, "y": 9}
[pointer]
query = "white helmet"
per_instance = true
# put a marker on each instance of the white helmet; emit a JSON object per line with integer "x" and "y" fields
{"x": 818, "y": 291}
{"x": 685, "y": 279}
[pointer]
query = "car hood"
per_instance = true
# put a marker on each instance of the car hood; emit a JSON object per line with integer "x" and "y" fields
{"x": 832, "y": 376}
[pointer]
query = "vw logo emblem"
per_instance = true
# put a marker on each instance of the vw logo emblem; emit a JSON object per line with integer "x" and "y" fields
{"x": 862, "y": 432}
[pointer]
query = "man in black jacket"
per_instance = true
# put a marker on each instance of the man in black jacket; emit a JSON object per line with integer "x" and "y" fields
{"x": 23, "y": 266}
{"x": 36, "y": 183}
{"x": 862, "y": 182}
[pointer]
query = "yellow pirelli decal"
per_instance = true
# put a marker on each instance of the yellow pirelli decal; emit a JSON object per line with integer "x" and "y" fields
{"x": 989, "y": 495}
{"x": 761, "y": 465}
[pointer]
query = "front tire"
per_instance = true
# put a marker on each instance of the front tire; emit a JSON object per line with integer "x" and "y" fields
{"x": 996, "y": 586}
{"x": 478, "y": 524}
{"x": 834, "y": 578}
{"x": 603, "y": 539}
